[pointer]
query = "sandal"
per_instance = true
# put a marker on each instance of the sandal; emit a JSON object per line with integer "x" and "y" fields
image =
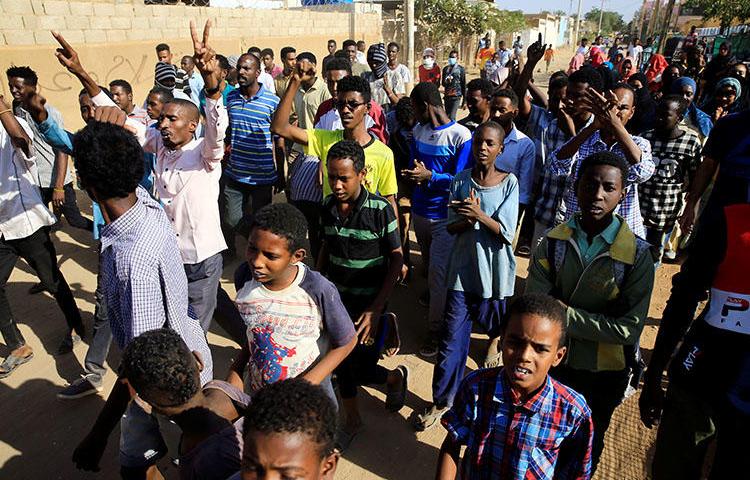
{"x": 394, "y": 400}
{"x": 429, "y": 418}
{"x": 12, "y": 362}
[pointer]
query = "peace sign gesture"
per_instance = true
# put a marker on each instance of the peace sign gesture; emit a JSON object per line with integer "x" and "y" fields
{"x": 203, "y": 54}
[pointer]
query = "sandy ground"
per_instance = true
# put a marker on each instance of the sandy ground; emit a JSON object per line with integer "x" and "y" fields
{"x": 38, "y": 432}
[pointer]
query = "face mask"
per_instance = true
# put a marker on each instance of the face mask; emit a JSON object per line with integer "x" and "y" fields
{"x": 452, "y": 61}
{"x": 428, "y": 62}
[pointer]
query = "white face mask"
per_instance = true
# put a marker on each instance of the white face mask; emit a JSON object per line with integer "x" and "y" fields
{"x": 428, "y": 62}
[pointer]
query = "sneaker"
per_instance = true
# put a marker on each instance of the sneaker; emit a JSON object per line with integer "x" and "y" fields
{"x": 66, "y": 346}
{"x": 80, "y": 388}
{"x": 429, "y": 418}
{"x": 670, "y": 254}
{"x": 424, "y": 299}
{"x": 429, "y": 348}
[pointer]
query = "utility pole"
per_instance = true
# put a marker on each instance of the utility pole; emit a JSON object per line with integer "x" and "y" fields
{"x": 652, "y": 22}
{"x": 640, "y": 19}
{"x": 409, "y": 21}
{"x": 665, "y": 27}
{"x": 578, "y": 23}
{"x": 601, "y": 14}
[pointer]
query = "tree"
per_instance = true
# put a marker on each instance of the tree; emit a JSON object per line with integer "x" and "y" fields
{"x": 723, "y": 10}
{"x": 611, "y": 21}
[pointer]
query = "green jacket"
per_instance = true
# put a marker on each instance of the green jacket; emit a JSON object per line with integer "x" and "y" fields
{"x": 607, "y": 301}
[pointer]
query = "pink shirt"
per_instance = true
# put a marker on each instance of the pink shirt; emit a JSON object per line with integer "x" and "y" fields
{"x": 187, "y": 181}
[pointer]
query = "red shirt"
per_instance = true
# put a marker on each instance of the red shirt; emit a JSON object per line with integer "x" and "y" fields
{"x": 431, "y": 75}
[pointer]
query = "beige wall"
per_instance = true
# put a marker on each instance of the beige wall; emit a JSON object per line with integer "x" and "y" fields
{"x": 116, "y": 38}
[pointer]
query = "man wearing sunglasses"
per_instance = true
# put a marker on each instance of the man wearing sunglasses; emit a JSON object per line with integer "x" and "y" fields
{"x": 353, "y": 104}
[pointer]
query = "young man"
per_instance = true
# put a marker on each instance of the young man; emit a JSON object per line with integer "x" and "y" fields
{"x": 358, "y": 67}
{"x": 288, "y": 61}
{"x": 518, "y": 47}
{"x": 706, "y": 400}
{"x": 224, "y": 86}
{"x": 165, "y": 76}
{"x": 607, "y": 132}
{"x": 266, "y": 55}
{"x": 362, "y": 256}
{"x": 24, "y": 230}
{"x": 549, "y": 55}
{"x": 394, "y": 65}
{"x": 503, "y": 53}
{"x": 454, "y": 85}
{"x": 331, "y": 46}
{"x": 439, "y": 153}
{"x": 122, "y": 96}
{"x": 353, "y": 100}
{"x": 516, "y": 421}
{"x": 386, "y": 86}
{"x": 52, "y": 174}
{"x": 296, "y": 323}
{"x": 677, "y": 154}
{"x": 162, "y": 373}
{"x": 361, "y": 49}
{"x": 252, "y": 171}
{"x": 478, "y": 101}
{"x": 290, "y": 431}
{"x": 163, "y": 54}
{"x": 604, "y": 275}
{"x": 193, "y": 79}
{"x": 429, "y": 71}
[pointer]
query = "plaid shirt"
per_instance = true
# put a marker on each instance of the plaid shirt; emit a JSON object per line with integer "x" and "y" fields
{"x": 629, "y": 208}
{"x": 548, "y": 136}
{"x": 143, "y": 279}
{"x": 676, "y": 160}
{"x": 548, "y": 436}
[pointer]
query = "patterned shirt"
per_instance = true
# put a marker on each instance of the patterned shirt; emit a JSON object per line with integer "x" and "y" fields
{"x": 143, "y": 279}
{"x": 661, "y": 196}
{"x": 629, "y": 208}
{"x": 547, "y": 436}
{"x": 251, "y": 160}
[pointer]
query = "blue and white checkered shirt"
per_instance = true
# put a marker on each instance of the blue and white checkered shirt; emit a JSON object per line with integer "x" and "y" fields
{"x": 629, "y": 208}
{"x": 143, "y": 279}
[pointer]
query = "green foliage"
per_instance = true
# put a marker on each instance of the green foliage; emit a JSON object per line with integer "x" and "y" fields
{"x": 441, "y": 20}
{"x": 611, "y": 21}
{"x": 723, "y": 10}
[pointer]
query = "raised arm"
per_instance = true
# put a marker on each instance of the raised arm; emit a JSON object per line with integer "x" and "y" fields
{"x": 534, "y": 53}
{"x": 68, "y": 58}
{"x": 303, "y": 72}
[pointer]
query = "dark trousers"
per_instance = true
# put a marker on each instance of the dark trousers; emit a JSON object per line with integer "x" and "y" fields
{"x": 603, "y": 392}
{"x": 203, "y": 284}
{"x": 239, "y": 201}
{"x": 452, "y": 104}
{"x": 39, "y": 252}
{"x": 461, "y": 311}
{"x": 360, "y": 368}
{"x": 69, "y": 208}
{"x": 311, "y": 211}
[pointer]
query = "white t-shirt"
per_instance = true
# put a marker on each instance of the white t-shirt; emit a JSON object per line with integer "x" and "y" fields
{"x": 402, "y": 70}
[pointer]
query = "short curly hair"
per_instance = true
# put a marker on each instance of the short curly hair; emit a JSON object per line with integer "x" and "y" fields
{"x": 338, "y": 63}
{"x": 587, "y": 75}
{"x": 604, "y": 158}
{"x": 507, "y": 93}
{"x": 28, "y": 75}
{"x": 541, "y": 305}
{"x": 284, "y": 220}
{"x": 426, "y": 92}
{"x": 108, "y": 159}
{"x": 348, "y": 149}
{"x": 294, "y": 406}
{"x": 480, "y": 84}
{"x": 405, "y": 114}
{"x": 161, "y": 368}
{"x": 354, "y": 83}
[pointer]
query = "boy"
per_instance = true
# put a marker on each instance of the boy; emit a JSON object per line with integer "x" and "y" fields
{"x": 439, "y": 153}
{"x": 362, "y": 256}
{"x": 290, "y": 430}
{"x": 516, "y": 421}
{"x": 481, "y": 271}
{"x": 478, "y": 100}
{"x": 296, "y": 323}
{"x": 163, "y": 53}
{"x": 676, "y": 153}
{"x": 162, "y": 373}
{"x": 709, "y": 376}
{"x": 604, "y": 274}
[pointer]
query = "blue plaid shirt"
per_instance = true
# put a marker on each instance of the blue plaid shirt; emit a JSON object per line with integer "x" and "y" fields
{"x": 143, "y": 279}
{"x": 629, "y": 208}
{"x": 547, "y": 436}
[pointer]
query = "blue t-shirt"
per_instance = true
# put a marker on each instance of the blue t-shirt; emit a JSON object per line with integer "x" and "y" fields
{"x": 483, "y": 263}
{"x": 443, "y": 151}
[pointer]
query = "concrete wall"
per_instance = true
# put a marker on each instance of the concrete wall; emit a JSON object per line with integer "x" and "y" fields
{"x": 116, "y": 38}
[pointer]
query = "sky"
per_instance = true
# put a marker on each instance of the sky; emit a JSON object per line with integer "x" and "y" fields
{"x": 625, "y": 7}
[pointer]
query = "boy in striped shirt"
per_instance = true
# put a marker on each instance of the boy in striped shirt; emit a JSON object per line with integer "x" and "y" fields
{"x": 362, "y": 256}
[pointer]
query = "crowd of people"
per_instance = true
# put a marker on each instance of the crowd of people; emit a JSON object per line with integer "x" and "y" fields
{"x": 596, "y": 180}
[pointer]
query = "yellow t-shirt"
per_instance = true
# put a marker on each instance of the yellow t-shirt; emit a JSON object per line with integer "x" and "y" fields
{"x": 380, "y": 177}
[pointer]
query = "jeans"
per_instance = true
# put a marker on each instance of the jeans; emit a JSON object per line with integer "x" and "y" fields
{"x": 603, "y": 392}
{"x": 462, "y": 309}
{"x": 203, "y": 284}
{"x": 239, "y": 202}
{"x": 101, "y": 341}
{"x": 436, "y": 245}
{"x": 452, "y": 105}
{"x": 311, "y": 211}
{"x": 69, "y": 208}
{"x": 39, "y": 252}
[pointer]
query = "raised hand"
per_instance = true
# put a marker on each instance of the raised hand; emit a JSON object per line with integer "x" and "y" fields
{"x": 535, "y": 52}
{"x": 304, "y": 71}
{"x": 67, "y": 56}
{"x": 203, "y": 54}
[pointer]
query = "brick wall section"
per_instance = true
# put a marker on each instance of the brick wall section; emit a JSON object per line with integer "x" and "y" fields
{"x": 116, "y": 38}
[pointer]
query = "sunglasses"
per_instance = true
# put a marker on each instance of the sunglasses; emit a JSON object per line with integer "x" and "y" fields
{"x": 353, "y": 105}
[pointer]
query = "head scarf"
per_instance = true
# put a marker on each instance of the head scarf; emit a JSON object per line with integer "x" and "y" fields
{"x": 656, "y": 65}
{"x": 164, "y": 74}
{"x": 377, "y": 59}
{"x": 732, "y": 82}
{"x": 698, "y": 116}
{"x": 625, "y": 74}
{"x": 680, "y": 82}
{"x": 597, "y": 57}
{"x": 576, "y": 63}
